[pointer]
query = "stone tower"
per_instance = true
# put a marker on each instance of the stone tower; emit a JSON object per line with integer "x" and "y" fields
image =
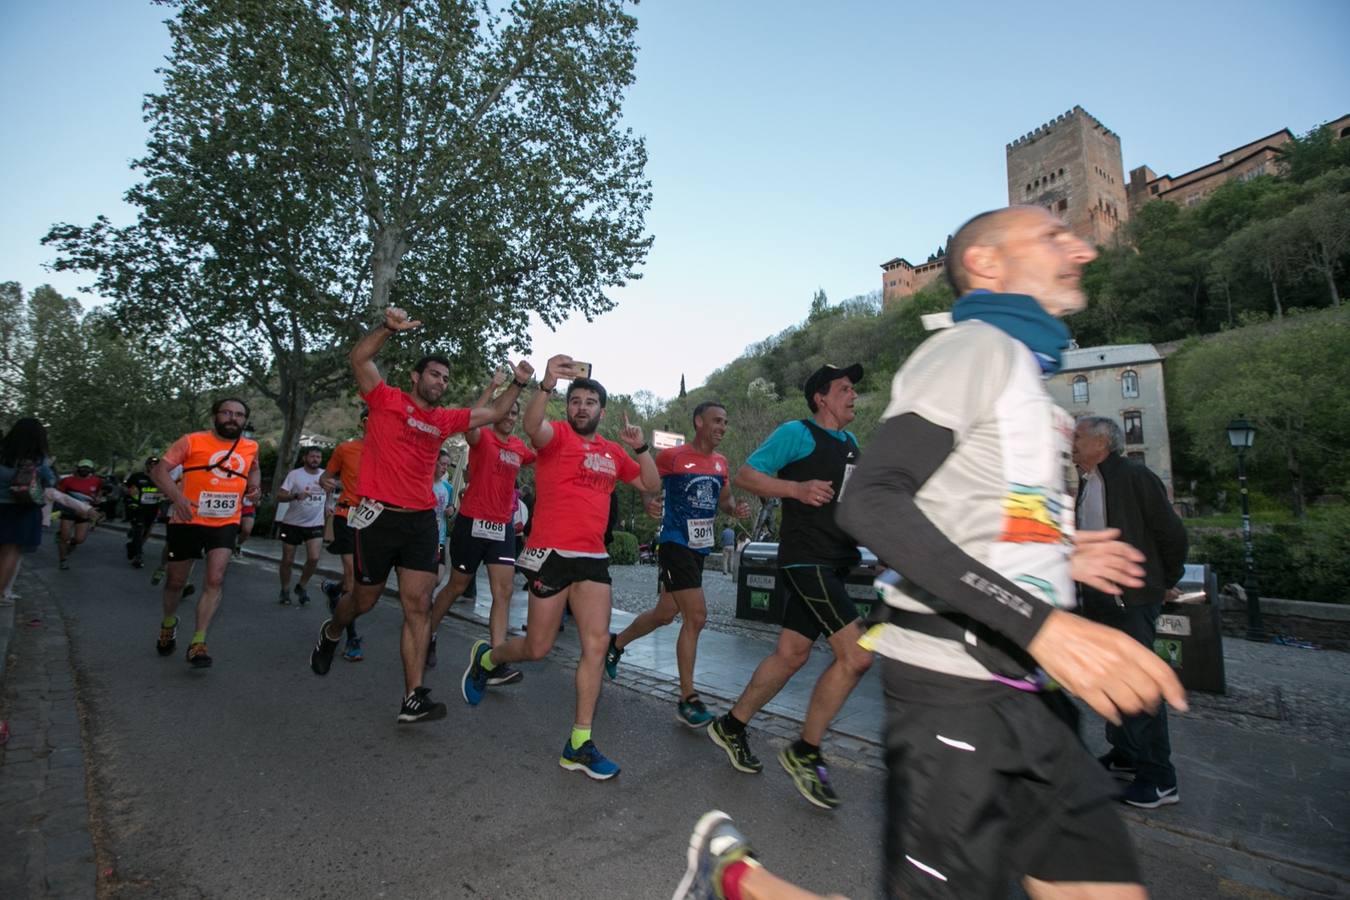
{"x": 1072, "y": 166}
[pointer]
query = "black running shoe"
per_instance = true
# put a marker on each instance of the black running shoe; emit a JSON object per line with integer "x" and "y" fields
{"x": 321, "y": 657}
{"x": 737, "y": 747}
{"x": 168, "y": 638}
{"x": 612, "y": 657}
{"x": 418, "y": 707}
{"x": 197, "y": 656}
{"x": 301, "y": 594}
{"x": 333, "y": 591}
{"x": 431, "y": 653}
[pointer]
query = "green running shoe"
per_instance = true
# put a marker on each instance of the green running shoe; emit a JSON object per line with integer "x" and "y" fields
{"x": 810, "y": 776}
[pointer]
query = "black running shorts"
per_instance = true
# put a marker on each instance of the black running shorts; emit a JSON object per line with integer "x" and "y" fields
{"x": 467, "y": 552}
{"x": 556, "y": 573}
{"x": 987, "y": 784}
{"x": 189, "y": 541}
{"x": 344, "y": 541}
{"x": 398, "y": 538}
{"x": 815, "y": 600}
{"x": 295, "y": 535}
{"x": 678, "y": 567}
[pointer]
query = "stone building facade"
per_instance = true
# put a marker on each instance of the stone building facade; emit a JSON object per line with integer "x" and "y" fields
{"x": 1122, "y": 382}
{"x": 1072, "y": 166}
{"x": 900, "y": 278}
{"x": 1239, "y": 164}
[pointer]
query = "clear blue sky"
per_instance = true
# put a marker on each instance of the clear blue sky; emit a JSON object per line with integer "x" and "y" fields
{"x": 793, "y": 145}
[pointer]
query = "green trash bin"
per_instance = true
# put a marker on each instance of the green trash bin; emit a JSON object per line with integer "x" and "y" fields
{"x": 1190, "y": 635}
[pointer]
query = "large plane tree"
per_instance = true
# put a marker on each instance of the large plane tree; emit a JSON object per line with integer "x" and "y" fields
{"x": 311, "y": 162}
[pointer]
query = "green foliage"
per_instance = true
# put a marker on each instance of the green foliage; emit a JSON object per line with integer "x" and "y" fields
{"x": 1292, "y": 381}
{"x": 310, "y": 162}
{"x": 623, "y": 549}
{"x": 1308, "y": 560}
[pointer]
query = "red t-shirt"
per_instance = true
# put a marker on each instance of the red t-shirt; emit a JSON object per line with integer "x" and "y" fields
{"x": 573, "y": 479}
{"x": 89, "y": 485}
{"x": 402, "y": 439}
{"x": 494, "y": 464}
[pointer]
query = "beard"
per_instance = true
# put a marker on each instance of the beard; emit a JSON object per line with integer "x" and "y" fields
{"x": 230, "y": 430}
{"x": 585, "y": 430}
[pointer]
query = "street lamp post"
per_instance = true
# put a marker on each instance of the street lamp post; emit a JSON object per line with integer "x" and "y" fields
{"x": 1241, "y": 434}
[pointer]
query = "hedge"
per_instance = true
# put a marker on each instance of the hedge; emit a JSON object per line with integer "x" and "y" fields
{"x": 1307, "y": 560}
{"x": 623, "y": 549}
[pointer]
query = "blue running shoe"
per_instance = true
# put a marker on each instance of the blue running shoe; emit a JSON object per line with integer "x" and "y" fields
{"x": 714, "y": 845}
{"x": 353, "y": 651}
{"x": 474, "y": 685}
{"x": 587, "y": 758}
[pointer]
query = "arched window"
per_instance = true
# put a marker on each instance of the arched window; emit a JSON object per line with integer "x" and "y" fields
{"x": 1080, "y": 389}
{"x": 1129, "y": 383}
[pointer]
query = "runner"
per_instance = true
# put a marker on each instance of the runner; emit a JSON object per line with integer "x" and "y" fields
{"x": 142, "y": 509}
{"x": 807, "y": 463}
{"x": 220, "y": 469}
{"x": 341, "y": 472}
{"x": 249, "y": 514}
{"x": 395, "y": 521}
{"x": 484, "y": 530}
{"x": 693, "y": 477}
{"x": 302, "y": 523}
{"x": 565, "y": 560}
{"x": 86, "y": 487}
{"x": 445, "y": 511}
{"x": 965, "y": 494}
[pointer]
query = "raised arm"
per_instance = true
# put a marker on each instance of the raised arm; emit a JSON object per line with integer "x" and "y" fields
{"x": 648, "y": 480}
{"x": 485, "y": 399}
{"x": 488, "y": 415}
{"x": 537, "y": 428}
{"x": 363, "y": 354}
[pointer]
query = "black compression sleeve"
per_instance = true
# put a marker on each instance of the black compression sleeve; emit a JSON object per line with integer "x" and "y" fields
{"x": 880, "y": 512}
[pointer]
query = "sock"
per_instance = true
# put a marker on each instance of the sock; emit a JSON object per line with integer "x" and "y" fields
{"x": 169, "y": 621}
{"x": 802, "y": 748}
{"x": 732, "y": 875}
{"x": 488, "y": 665}
{"x": 580, "y": 736}
{"x": 732, "y": 724}
{"x": 199, "y": 637}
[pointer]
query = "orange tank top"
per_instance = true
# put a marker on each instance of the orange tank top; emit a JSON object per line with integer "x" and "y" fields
{"x": 214, "y": 478}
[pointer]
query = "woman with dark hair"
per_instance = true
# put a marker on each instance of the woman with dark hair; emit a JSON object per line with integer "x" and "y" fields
{"x": 21, "y": 522}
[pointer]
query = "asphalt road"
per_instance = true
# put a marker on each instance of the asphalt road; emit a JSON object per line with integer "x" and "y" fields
{"x": 256, "y": 778}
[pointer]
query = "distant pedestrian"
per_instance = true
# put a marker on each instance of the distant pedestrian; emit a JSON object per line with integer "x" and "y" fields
{"x": 1115, "y": 492}
{"x": 728, "y": 548}
{"x": 23, "y": 453}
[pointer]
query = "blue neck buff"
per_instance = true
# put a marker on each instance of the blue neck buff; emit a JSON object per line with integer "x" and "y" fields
{"x": 1020, "y": 317}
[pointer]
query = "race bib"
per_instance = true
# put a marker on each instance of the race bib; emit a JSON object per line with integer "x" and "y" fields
{"x": 364, "y": 513}
{"x": 149, "y": 497}
{"x": 848, "y": 473}
{"x": 700, "y": 534}
{"x": 217, "y": 504}
{"x": 532, "y": 560}
{"x": 492, "y": 531}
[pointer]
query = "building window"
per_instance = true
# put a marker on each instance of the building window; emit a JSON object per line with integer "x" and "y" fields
{"x": 1080, "y": 389}
{"x": 1061, "y": 173}
{"x": 1153, "y": 189}
{"x": 1028, "y": 189}
{"x": 1137, "y": 456}
{"x": 1129, "y": 383}
{"x": 1063, "y": 205}
{"x": 1134, "y": 427}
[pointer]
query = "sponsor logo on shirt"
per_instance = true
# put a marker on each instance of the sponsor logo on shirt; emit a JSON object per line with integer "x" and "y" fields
{"x": 1030, "y": 516}
{"x": 601, "y": 463}
{"x": 510, "y": 457}
{"x": 425, "y": 427}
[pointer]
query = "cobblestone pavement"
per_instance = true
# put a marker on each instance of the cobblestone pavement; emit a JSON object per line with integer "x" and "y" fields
{"x": 44, "y": 816}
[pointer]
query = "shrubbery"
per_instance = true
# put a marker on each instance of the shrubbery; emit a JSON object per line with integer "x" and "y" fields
{"x": 623, "y": 549}
{"x": 1307, "y": 560}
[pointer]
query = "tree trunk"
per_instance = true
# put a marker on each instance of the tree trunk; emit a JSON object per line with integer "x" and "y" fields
{"x": 1275, "y": 292}
{"x": 294, "y": 404}
{"x": 1331, "y": 285}
{"x": 1228, "y": 295}
{"x": 385, "y": 255}
{"x": 1295, "y": 482}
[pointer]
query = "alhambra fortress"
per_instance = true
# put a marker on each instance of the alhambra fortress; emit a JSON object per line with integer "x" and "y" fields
{"x": 1072, "y": 166}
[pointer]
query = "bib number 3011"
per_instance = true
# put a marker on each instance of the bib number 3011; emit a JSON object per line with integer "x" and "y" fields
{"x": 700, "y": 534}
{"x": 366, "y": 511}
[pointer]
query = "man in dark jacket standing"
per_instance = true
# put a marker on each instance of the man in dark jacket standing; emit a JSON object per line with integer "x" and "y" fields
{"x": 1115, "y": 492}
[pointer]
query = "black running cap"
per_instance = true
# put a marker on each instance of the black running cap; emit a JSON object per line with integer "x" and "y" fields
{"x": 819, "y": 382}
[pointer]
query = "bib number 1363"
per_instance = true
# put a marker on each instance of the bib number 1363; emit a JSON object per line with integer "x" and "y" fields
{"x": 217, "y": 504}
